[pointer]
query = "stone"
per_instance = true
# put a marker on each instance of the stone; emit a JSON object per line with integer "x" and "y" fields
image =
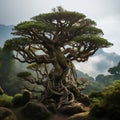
{"x": 35, "y": 111}
{"x": 80, "y": 116}
{"x": 82, "y": 98}
{"x": 6, "y": 114}
{"x": 69, "y": 110}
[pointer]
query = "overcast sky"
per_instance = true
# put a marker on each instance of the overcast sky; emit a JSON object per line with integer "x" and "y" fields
{"x": 105, "y": 12}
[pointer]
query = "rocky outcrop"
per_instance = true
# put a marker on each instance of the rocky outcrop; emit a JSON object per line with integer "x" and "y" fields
{"x": 82, "y": 98}
{"x": 34, "y": 110}
{"x": 69, "y": 110}
{"x": 6, "y": 114}
{"x": 80, "y": 116}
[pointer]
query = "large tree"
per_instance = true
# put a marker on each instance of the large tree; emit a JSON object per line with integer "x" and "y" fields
{"x": 56, "y": 38}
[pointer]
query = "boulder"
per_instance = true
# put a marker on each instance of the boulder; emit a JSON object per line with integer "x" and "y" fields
{"x": 80, "y": 116}
{"x": 69, "y": 110}
{"x": 82, "y": 98}
{"x": 6, "y": 114}
{"x": 35, "y": 111}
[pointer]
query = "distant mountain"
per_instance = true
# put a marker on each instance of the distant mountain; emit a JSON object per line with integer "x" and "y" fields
{"x": 5, "y": 33}
{"x": 83, "y": 75}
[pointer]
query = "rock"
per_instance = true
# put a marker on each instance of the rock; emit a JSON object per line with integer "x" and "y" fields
{"x": 6, "y": 114}
{"x": 58, "y": 117}
{"x": 52, "y": 108}
{"x": 80, "y": 116}
{"x": 71, "y": 109}
{"x": 83, "y": 99}
{"x": 35, "y": 111}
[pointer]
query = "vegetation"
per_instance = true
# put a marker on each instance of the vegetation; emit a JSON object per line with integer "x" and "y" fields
{"x": 21, "y": 99}
{"x": 56, "y": 39}
{"x": 5, "y": 101}
{"x": 115, "y": 71}
{"x": 106, "y": 80}
{"x": 107, "y": 103}
{"x": 8, "y": 79}
{"x": 17, "y": 100}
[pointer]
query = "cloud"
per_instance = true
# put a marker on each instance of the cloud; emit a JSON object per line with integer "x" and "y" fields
{"x": 98, "y": 63}
{"x": 90, "y": 66}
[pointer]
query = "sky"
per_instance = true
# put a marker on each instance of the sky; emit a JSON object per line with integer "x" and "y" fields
{"x": 106, "y": 13}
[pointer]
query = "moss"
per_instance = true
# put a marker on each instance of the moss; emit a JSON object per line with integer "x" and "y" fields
{"x": 21, "y": 99}
{"x": 6, "y": 101}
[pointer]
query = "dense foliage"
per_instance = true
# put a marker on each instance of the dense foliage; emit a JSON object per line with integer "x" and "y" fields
{"x": 107, "y": 103}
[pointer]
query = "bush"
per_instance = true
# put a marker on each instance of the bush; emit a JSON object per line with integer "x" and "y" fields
{"x": 96, "y": 95}
{"x": 27, "y": 95}
{"x": 109, "y": 106}
{"x": 21, "y": 99}
{"x": 96, "y": 98}
{"x": 6, "y": 101}
{"x": 98, "y": 110}
{"x": 17, "y": 100}
{"x": 112, "y": 94}
{"x": 113, "y": 112}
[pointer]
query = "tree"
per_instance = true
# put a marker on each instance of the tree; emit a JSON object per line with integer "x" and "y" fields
{"x": 6, "y": 65}
{"x": 7, "y": 78}
{"x": 105, "y": 80}
{"x": 57, "y": 39}
{"x": 115, "y": 71}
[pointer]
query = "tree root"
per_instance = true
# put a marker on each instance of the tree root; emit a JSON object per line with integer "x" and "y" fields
{"x": 66, "y": 97}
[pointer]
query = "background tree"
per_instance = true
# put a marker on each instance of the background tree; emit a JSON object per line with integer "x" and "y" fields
{"x": 115, "y": 71}
{"x": 8, "y": 80}
{"x": 57, "y": 38}
{"x": 6, "y": 65}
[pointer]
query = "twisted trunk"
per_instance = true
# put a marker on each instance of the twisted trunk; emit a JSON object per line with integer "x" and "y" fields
{"x": 55, "y": 86}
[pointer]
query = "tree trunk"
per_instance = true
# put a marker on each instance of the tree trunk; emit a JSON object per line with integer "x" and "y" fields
{"x": 55, "y": 86}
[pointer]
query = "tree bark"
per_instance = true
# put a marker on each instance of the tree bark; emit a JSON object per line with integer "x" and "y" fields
{"x": 55, "y": 85}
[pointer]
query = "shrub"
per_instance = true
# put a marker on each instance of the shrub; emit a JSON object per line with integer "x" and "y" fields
{"x": 17, "y": 100}
{"x": 6, "y": 101}
{"x": 21, "y": 99}
{"x": 96, "y": 98}
{"x": 109, "y": 106}
{"x": 112, "y": 94}
{"x": 96, "y": 95}
{"x": 27, "y": 95}
{"x": 98, "y": 110}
